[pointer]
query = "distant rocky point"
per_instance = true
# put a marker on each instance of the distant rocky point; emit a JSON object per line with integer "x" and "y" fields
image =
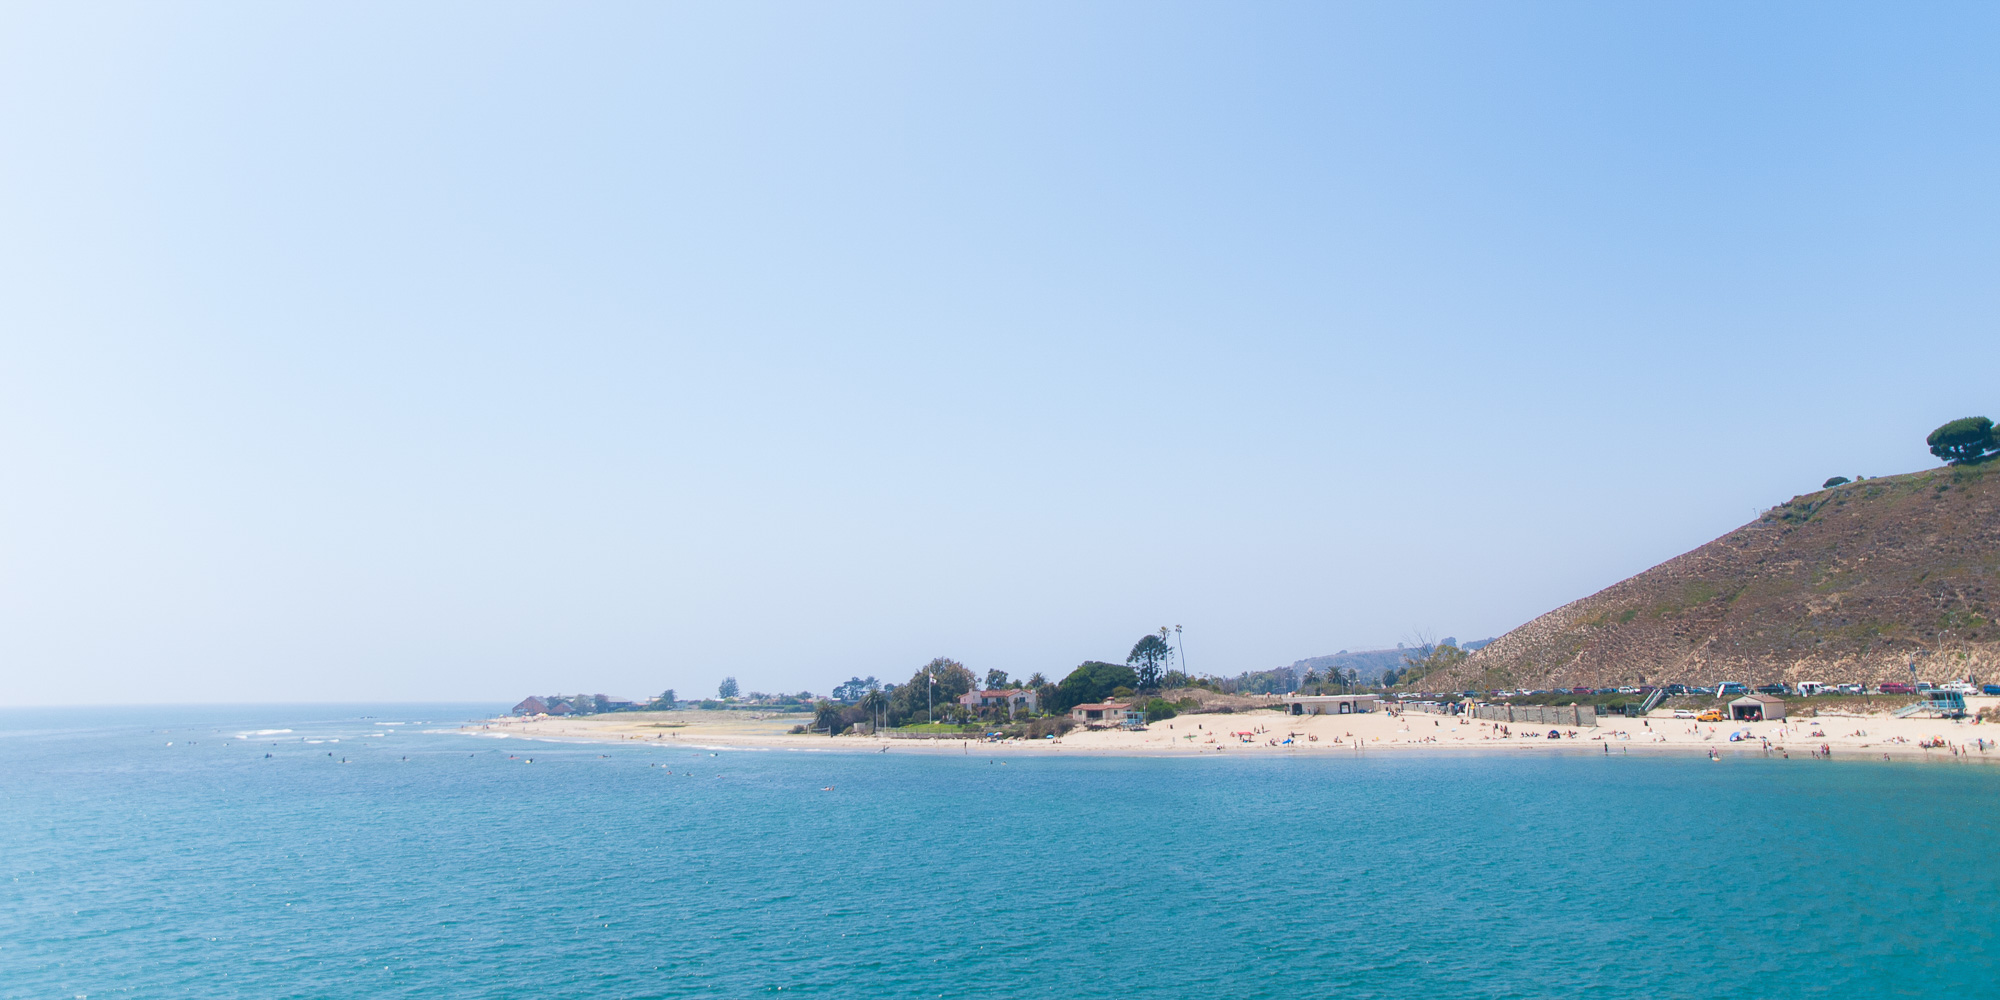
{"x": 1371, "y": 663}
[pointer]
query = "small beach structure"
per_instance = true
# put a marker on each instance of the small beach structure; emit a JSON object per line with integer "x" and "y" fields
{"x": 1757, "y": 708}
{"x": 1103, "y": 713}
{"x": 1332, "y": 704}
{"x": 1940, "y": 703}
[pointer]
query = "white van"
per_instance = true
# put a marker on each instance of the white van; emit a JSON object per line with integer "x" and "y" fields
{"x": 1809, "y": 688}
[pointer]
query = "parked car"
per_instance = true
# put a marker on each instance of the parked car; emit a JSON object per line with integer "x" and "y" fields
{"x": 1894, "y": 687}
{"x": 1581, "y": 690}
{"x": 1683, "y": 713}
{"x": 1770, "y": 689}
{"x": 1989, "y": 688}
{"x": 1851, "y": 689}
{"x": 1627, "y": 690}
{"x": 1731, "y": 687}
{"x": 1712, "y": 715}
{"x": 1809, "y": 688}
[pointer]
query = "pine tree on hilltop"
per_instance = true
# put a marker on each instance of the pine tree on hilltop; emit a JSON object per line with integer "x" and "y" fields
{"x": 1964, "y": 441}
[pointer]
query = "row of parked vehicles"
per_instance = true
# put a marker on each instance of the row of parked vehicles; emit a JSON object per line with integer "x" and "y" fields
{"x": 1807, "y": 689}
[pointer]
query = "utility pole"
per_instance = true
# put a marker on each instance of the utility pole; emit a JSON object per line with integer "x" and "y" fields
{"x": 930, "y": 697}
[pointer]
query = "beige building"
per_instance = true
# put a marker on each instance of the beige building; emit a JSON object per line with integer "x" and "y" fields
{"x": 1104, "y": 713}
{"x": 1332, "y": 704}
{"x": 1757, "y": 708}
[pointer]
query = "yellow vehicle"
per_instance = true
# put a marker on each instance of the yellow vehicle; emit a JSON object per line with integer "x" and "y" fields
{"x": 1712, "y": 715}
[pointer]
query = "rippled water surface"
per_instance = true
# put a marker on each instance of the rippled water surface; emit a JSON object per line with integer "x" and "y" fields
{"x": 242, "y": 852}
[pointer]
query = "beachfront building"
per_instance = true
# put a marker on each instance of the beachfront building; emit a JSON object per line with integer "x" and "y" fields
{"x": 1332, "y": 704}
{"x": 1007, "y": 699}
{"x": 1104, "y": 713}
{"x": 531, "y": 706}
{"x": 1757, "y": 708}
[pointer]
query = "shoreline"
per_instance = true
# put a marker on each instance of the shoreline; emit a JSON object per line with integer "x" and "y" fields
{"x": 1267, "y": 734}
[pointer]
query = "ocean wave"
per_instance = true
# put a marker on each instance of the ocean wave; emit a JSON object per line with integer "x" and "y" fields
{"x": 261, "y": 732}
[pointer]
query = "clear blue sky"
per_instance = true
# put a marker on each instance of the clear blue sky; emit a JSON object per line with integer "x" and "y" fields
{"x": 421, "y": 351}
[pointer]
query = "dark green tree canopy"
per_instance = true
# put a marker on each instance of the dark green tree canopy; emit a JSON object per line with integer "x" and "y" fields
{"x": 1150, "y": 655}
{"x": 934, "y": 688}
{"x": 851, "y": 690}
{"x": 1092, "y": 681}
{"x": 727, "y": 689}
{"x": 1964, "y": 441}
{"x": 951, "y": 676}
{"x": 1835, "y": 481}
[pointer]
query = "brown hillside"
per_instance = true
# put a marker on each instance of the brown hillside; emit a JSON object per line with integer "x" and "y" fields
{"x": 1846, "y": 584}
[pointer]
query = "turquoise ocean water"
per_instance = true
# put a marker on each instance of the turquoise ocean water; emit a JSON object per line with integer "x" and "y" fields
{"x": 403, "y": 863}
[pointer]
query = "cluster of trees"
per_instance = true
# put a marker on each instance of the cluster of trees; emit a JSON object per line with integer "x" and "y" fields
{"x": 730, "y": 693}
{"x": 931, "y": 694}
{"x": 1423, "y": 659}
{"x": 1965, "y": 441}
{"x": 575, "y": 704}
{"x": 1341, "y": 679}
{"x": 850, "y": 691}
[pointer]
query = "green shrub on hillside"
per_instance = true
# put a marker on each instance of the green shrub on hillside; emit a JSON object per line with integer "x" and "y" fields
{"x": 1835, "y": 481}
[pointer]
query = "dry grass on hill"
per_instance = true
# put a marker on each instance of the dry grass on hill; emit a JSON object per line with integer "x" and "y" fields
{"x": 1844, "y": 584}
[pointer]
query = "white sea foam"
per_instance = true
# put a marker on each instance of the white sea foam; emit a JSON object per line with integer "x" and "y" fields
{"x": 262, "y": 732}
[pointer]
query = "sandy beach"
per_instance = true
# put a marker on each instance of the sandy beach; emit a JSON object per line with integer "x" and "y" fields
{"x": 1271, "y": 732}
